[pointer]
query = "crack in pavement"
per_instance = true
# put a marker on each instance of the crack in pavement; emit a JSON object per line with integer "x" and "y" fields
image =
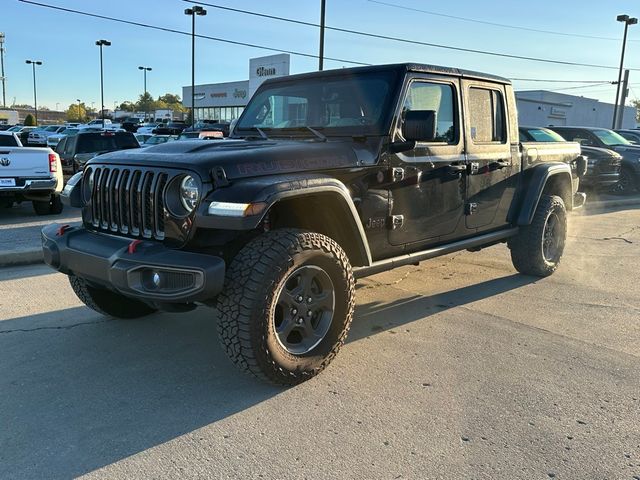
{"x": 61, "y": 327}
{"x": 617, "y": 238}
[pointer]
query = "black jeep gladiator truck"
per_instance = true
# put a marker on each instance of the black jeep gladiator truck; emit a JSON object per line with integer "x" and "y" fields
{"x": 327, "y": 177}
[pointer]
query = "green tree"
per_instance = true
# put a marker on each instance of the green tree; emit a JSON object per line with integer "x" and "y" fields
{"x": 76, "y": 113}
{"x": 636, "y": 103}
{"x": 127, "y": 106}
{"x": 169, "y": 98}
{"x": 29, "y": 121}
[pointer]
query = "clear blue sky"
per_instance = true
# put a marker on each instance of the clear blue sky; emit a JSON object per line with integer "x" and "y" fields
{"x": 65, "y": 42}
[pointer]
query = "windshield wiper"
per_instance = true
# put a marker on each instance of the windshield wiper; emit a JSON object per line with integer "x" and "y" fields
{"x": 257, "y": 129}
{"x": 318, "y": 135}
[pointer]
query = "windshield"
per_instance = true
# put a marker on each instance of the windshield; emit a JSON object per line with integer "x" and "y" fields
{"x": 544, "y": 135}
{"x": 342, "y": 104}
{"x": 611, "y": 138}
{"x": 51, "y": 129}
{"x": 156, "y": 140}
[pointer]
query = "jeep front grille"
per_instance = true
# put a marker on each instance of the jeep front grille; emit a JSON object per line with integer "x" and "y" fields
{"x": 128, "y": 201}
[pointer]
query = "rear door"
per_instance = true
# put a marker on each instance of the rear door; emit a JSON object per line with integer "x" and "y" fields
{"x": 489, "y": 154}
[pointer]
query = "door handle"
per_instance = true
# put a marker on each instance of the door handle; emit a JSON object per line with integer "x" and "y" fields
{"x": 455, "y": 169}
{"x": 502, "y": 163}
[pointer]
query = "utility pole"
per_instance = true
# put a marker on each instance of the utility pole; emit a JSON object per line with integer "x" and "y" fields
{"x": 627, "y": 21}
{"x": 321, "y": 54}
{"x": 623, "y": 98}
{"x": 4, "y": 87}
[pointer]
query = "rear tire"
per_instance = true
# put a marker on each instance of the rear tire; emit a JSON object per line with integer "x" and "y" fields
{"x": 107, "y": 302}
{"x": 538, "y": 248}
{"x": 53, "y": 206}
{"x": 287, "y": 305}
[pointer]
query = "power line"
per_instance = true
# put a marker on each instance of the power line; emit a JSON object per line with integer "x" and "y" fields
{"x": 171, "y": 30}
{"x": 581, "y": 86}
{"x": 494, "y": 24}
{"x": 404, "y": 40}
{"x": 549, "y": 80}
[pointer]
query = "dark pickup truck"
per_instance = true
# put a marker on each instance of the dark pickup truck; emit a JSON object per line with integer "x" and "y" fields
{"x": 328, "y": 177}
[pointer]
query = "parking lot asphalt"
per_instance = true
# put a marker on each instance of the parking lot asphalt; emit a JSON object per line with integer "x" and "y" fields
{"x": 456, "y": 368}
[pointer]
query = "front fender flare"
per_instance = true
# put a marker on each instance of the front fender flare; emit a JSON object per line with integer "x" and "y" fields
{"x": 273, "y": 189}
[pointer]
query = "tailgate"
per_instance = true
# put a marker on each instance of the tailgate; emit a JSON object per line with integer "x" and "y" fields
{"x": 16, "y": 162}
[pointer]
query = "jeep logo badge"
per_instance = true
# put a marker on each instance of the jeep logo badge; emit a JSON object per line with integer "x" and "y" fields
{"x": 5, "y": 162}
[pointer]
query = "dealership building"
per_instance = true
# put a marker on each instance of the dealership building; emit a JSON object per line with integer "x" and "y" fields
{"x": 542, "y": 108}
{"x": 226, "y": 101}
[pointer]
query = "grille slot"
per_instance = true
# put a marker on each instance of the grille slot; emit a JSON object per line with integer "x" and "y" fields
{"x": 129, "y": 201}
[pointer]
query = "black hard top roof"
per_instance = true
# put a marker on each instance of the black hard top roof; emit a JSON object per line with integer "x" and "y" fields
{"x": 399, "y": 67}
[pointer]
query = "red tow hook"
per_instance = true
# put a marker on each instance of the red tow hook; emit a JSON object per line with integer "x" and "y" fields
{"x": 62, "y": 229}
{"x": 132, "y": 246}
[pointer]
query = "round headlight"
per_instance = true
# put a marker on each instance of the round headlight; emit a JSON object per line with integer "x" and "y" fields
{"x": 189, "y": 193}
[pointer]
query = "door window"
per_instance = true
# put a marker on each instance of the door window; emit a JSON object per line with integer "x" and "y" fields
{"x": 486, "y": 116}
{"x": 439, "y": 98}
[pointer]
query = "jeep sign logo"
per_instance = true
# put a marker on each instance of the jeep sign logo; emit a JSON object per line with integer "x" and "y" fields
{"x": 5, "y": 162}
{"x": 265, "y": 72}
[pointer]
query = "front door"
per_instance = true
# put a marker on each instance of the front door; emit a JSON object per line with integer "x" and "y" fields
{"x": 489, "y": 155}
{"x": 428, "y": 182}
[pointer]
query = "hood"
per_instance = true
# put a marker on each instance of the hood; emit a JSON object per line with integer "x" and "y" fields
{"x": 598, "y": 152}
{"x": 251, "y": 158}
{"x": 628, "y": 150}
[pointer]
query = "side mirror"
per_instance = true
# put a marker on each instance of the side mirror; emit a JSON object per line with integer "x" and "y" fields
{"x": 419, "y": 126}
{"x": 586, "y": 142}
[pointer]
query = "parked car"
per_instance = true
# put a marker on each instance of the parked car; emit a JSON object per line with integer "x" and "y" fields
{"x": 142, "y": 137}
{"x": 158, "y": 139}
{"x": 53, "y": 140}
{"x": 368, "y": 169}
{"x": 23, "y": 133}
{"x": 629, "y": 180}
{"x": 131, "y": 124}
{"x": 30, "y": 174}
{"x": 76, "y": 150}
{"x": 632, "y": 135}
{"x": 9, "y": 139}
{"x": 603, "y": 164}
{"x": 4, "y": 126}
{"x": 39, "y": 136}
{"x": 171, "y": 128}
{"x": 148, "y": 128}
{"x": 210, "y": 125}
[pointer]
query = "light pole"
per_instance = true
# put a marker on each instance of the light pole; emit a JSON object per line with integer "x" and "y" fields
{"x": 33, "y": 64}
{"x": 4, "y": 94}
{"x": 102, "y": 43}
{"x": 627, "y": 21}
{"x": 79, "y": 117}
{"x": 197, "y": 10}
{"x": 321, "y": 53}
{"x": 144, "y": 71}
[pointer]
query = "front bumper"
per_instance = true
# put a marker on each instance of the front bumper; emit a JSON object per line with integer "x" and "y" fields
{"x": 599, "y": 180}
{"x": 145, "y": 270}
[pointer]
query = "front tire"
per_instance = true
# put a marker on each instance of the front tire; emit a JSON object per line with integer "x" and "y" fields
{"x": 628, "y": 183}
{"x": 107, "y": 302}
{"x": 287, "y": 305}
{"x": 538, "y": 248}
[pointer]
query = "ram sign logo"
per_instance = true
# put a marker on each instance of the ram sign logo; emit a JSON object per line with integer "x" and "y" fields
{"x": 5, "y": 162}
{"x": 265, "y": 71}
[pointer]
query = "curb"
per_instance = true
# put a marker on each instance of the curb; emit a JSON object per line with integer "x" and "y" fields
{"x": 623, "y": 202}
{"x": 21, "y": 257}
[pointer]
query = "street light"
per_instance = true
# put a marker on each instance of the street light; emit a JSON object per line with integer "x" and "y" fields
{"x": 79, "y": 117}
{"x": 197, "y": 10}
{"x": 33, "y": 64}
{"x": 102, "y": 43}
{"x": 627, "y": 21}
{"x": 145, "y": 70}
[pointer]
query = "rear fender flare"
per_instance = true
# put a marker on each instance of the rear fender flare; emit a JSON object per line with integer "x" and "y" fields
{"x": 534, "y": 186}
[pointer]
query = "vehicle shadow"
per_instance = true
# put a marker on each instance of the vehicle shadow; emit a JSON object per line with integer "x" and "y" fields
{"x": 23, "y": 213}
{"x": 81, "y": 391}
{"x": 377, "y": 317}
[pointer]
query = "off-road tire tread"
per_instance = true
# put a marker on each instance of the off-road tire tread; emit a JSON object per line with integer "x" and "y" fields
{"x": 526, "y": 253}
{"x": 249, "y": 283}
{"x": 107, "y": 302}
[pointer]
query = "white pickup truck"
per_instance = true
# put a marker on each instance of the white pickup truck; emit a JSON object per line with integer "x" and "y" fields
{"x": 29, "y": 174}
